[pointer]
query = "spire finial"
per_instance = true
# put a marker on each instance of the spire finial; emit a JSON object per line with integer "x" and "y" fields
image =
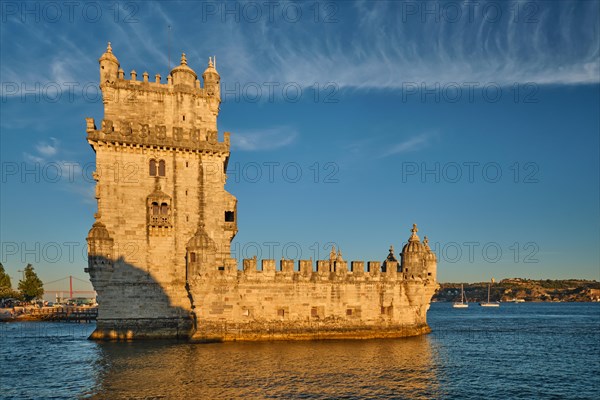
{"x": 391, "y": 249}
{"x": 183, "y": 59}
{"x": 425, "y": 240}
{"x": 210, "y": 62}
{"x": 109, "y": 48}
{"x": 414, "y": 237}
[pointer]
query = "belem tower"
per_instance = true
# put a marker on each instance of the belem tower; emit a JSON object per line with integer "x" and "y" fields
{"x": 160, "y": 247}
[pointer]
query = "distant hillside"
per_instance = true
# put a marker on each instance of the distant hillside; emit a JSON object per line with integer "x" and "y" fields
{"x": 525, "y": 289}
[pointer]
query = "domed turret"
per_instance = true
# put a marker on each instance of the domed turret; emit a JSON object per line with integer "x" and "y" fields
{"x": 109, "y": 66}
{"x": 212, "y": 80}
{"x": 98, "y": 232}
{"x": 414, "y": 244}
{"x": 183, "y": 74}
{"x": 201, "y": 253}
{"x": 413, "y": 253}
{"x": 100, "y": 244}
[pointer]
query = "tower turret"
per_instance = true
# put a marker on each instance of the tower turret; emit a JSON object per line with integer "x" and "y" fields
{"x": 109, "y": 66}
{"x": 212, "y": 80}
{"x": 100, "y": 245}
{"x": 183, "y": 74}
{"x": 413, "y": 254}
{"x": 390, "y": 263}
{"x": 430, "y": 260}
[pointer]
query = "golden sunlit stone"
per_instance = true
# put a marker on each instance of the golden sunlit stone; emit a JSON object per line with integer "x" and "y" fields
{"x": 160, "y": 248}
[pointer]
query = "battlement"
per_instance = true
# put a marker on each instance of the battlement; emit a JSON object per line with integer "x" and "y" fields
{"x": 156, "y": 86}
{"x": 175, "y": 109}
{"x": 157, "y": 135}
{"x": 322, "y": 271}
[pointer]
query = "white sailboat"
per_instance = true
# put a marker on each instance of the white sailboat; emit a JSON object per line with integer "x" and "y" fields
{"x": 488, "y": 303}
{"x": 463, "y": 303}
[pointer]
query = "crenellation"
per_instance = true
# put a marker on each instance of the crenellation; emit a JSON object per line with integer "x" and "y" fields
{"x": 374, "y": 268}
{"x": 160, "y": 247}
{"x": 357, "y": 268}
{"x": 287, "y": 266}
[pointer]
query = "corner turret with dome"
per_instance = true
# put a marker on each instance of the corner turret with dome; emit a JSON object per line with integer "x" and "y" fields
{"x": 109, "y": 66}
{"x": 183, "y": 74}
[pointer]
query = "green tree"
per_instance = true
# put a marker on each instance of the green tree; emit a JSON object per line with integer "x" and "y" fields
{"x": 32, "y": 287}
{"x": 4, "y": 278}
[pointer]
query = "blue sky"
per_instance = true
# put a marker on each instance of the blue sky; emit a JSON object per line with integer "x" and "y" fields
{"x": 350, "y": 122}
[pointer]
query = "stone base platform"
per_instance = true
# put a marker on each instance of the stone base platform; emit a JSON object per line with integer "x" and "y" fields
{"x": 143, "y": 328}
{"x": 228, "y": 332}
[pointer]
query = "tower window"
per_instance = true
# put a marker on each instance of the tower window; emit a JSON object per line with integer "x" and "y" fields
{"x": 229, "y": 216}
{"x": 157, "y": 168}
{"x": 164, "y": 209}
{"x": 154, "y": 208}
{"x": 192, "y": 257}
{"x": 184, "y": 117}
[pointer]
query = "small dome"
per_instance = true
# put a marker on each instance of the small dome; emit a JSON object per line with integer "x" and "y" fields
{"x": 414, "y": 244}
{"x": 108, "y": 55}
{"x": 201, "y": 241}
{"x": 183, "y": 67}
{"x": 210, "y": 70}
{"x": 98, "y": 231}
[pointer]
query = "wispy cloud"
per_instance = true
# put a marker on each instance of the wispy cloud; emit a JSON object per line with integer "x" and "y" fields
{"x": 46, "y": 149}
{"x": 380, "y": 45}
{"x": 265, "y": 139}
{"x": 368, "y": 45}
{"x": 414, "y": 143}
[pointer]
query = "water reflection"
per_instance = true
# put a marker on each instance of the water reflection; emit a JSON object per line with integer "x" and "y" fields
{"x": 402, "y": 368}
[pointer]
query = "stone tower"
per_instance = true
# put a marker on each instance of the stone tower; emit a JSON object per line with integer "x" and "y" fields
{"x": 160, "y": 247}
{"x": 163, "y": 211}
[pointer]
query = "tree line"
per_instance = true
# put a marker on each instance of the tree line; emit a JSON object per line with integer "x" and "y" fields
{"x": 29, "y": 288}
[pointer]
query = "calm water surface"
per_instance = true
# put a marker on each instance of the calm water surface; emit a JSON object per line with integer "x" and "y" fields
{"x": 518, "y": 351}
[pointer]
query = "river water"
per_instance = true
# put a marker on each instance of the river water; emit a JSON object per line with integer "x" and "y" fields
{"x": 517, "y": 351}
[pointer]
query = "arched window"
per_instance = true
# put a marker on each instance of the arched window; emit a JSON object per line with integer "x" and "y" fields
{"x": 152, "y": 167}
{"x": 161, "y": 168}
{"x": 164, "y": 209}
{"x": 154, "y": 208}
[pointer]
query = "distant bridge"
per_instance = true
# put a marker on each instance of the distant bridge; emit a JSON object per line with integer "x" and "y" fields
{"x": 71, "y": 289}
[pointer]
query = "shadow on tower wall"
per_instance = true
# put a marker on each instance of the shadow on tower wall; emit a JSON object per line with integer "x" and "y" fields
{"x": 132, "y": 304}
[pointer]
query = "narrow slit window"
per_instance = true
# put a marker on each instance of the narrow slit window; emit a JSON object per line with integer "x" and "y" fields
{"x": 161, "y": 168}
{"x": 152, "y": 167}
